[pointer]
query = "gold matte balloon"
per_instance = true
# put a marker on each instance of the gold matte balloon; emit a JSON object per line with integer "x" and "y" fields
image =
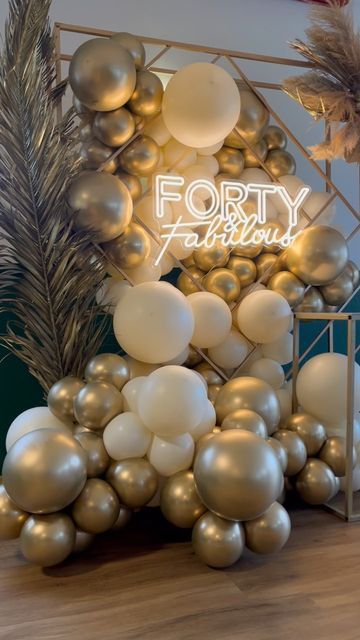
{"x": 102, "y": 74}
{"x": 249, "y": 393}
{"x": 114, "y": 128}
{"x": 101, "y": 204}
{"x": 123, "y": 519}
{"x": 224, "y": 283}
{"x": 44, "y": 471}
{"x": 248, "y": 251}
{"x": 209, "y": 374}
{"x": 318, "y": 255}
{"x": 129, "y": 250}
{"x": 231, "y": 161}
{"x": 353, "y": 270}
{"x": 180, "y": 503}
{"x": 12, "y": 518}
{"x": 269, "y": 532}
{"x": 134, "y": 480}
{"x": 313, "y": 302}
{"x": 186, "y": 284}
{"x": 94, "y": 153}
{"x": 219, "y": 543}
{"x": 247, "y": 420}
{"x": 140, "y": 157}
{"x": 337, "y": 292}
{"x": 47, "y": 540}
{"x": 309, "y": 429}
{"x": 295, "y": 449}
{"x": 237, "y": 475}
{"x": 96, "y": 404}
{"x": 147, "y": 97}
{"x": 266, "y": 265}
{"x": 97, "y": 507}
{"x": 275, "y": 138}
{"x": 255, "y": 156}
{"x": 208, "y": 257}
{"x": 289, "y": 286}
{"x": 132, "y": 183}
{"x": 213, "y": 390}
{"x": 108, "y": 367}
{"x": 83, "y": 541}
{"x": 252, "y": 121}
{"x": 316, "y": 483}
{"x": 334, "y": 454}
{"x": 280, "y": 452}
{"x": 280, "y": 163}
{"x": 61, "y": 397}
{"x": 244, "y": 268}
{"x": 97, "y": 457}
{"x": 133, "y": 46}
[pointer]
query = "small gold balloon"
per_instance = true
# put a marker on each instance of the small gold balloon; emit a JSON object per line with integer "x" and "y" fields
{"x": 247, "y": 420}
{"x": 97, "y": 457}
{"x": 61, "y": 397}
{"x": 312, "y": 302}
{"x": 353, "y": 270}
{"x": 140, "y": 157}
{"x": 266, "y": 265}
{"x": 94, "y": 153}
{"x": 248, "y": 251}
{"x": 275, "y": 137}
{"x": 97, "y": 507}
{"x": 213, "y": 390}
{"x": 334, "y": 454}
{"x": 255, "y": 156}
{"x": 295, "y": 449}
{"x": 231, "y": 161}
{"x": 86, "y": 132}
{"x": 244, "y": 268}
{"x": 147, "y": 97}
{"x": 102, "y": 74}
{"x": 194, "y": 358}
{"x": 337, "y": 292}
{"x": 289, "y": 286}
{"x": 83, "y": 541}
{"x": 123, "y": 519}
{"x": 101, "y": 204}
{"x": 132, "y": 183}
{"x": 209, "y": 374}
{"x": 269, "y": 532}
{"x": 208, "y": 257}
{"x": 252, "y": 122}
{"x": 180, "y": 503}
{"x": 96, "y": 404}
{"x": 47, "y": 540}
{"x": 114, "y": 128}
{"x": 186, "y": 284}
{"x": 280, "y": 163}
{"x": 280, "y": 452}
{"x": 223, "y": 283}
{"x": 316, "y": 482}
{"x": 108, "y": 367}
{"x": 129, "y": 250}
{"x": 86, "y": 114}
{"x": 134, "y": 480}
{"x": 133, "y": 46}
{"x": 309, "y": 429}
{"x": 12, "y": 518}
{"x": 274, "y": 230}
{"x": 219, "y": 543}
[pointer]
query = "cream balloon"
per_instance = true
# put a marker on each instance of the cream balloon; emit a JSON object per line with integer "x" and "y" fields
{"x": 264, "y": 316}
{"x": 126, "y": 437}
{"x": 157, "y": 130}
{"x": 206, "y": 424}
{"x": 148, "y": 271}
{"x": 212, "y": 318}
{"x": 170, "y": 455}
{"x": 210, "y": 150}
{"x": 110, "y": 292}
{"x": 138, "y": 368}
{"x": 285, "y": 402}
{"x": 130, "y": 393}
{"x": 280, "y": 350}
{"x": 231, "y": 352}
{"x": 178, "y": 156}
{"x": 32, "y": 419}
{"x": 269, "y": 370}
{"x": 209, "y": 162}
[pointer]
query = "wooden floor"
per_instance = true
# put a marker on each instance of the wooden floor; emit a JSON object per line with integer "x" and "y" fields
{"x": 147, "y": 584}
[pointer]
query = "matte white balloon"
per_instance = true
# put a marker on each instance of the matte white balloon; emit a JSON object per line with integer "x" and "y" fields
{"x": 280, "y": 350}
{"x": 207, "y": 422}
{"x": 170, "y": 455}
{"x": 130, "y": 393}
{"x": 157, "y": 130}
{"x": 110, "y": 293}
{"x": 269, "y": 370}
{"x": 212, "y": 318}
{"x": 31, "y": 420}
{"x": 148, "y": 271}
{"x": 264, "y": 316}
{"x": 178, "y": 156}
{"x": 231, "y": 352}
{"x": 126, "y": 437}
{"x": 285, "y": 402}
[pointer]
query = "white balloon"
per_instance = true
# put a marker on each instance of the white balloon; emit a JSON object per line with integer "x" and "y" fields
{"x": 269, "y": 370}
{"x": 355, "y": 480}
{"x": 179, "y": 209}
{"x": 126, "y": 437}
{"x": 255, "y": 175}
{"x": 178, "y": 156}
{"x": 212, "y": 318}
{"x": 340, "y": 429}
{"x": 198, "y": 172}
{"x": 280, "y": 350}
{"x": 167, "y": 264}
{"x": 172, "y": 401}
{"x": 231, "y": 352}
{"x": 209, "y": 162}
{"x": 315, "y": 203}
{"x": 130, "y": 393}
{"x": 138, "y": 368}
{"x": 207, "y": 422}
{"x": 148, "y": 271}
{"x": 180, "y": 359}
{"x": 264, "y": 316}
{"x": 292, "y": 185}
{"x": 145, "y": 210}
{"x": 211, "y": 150}
{"x": 110, "y": 292}
{"x": 31, "y": 420}
{"x": 285, "y": 401}
{"x": 153, "y": 322}
{"x": 157, "y": 130}
{"x": 170, "y": 455}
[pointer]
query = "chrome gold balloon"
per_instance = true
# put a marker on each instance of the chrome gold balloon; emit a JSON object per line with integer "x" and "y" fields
{"x": 295, "y": 449}
{"x": 12, "y": 518}
{"x": 275, "y": 137}
{"x": 47, "y": 540}
{"x": 334, "y": 454}
{"x": 309, "y": 429}
{"x": 339, "y": 290}
{"x": 96, "y": 404}
{"x": 219, "y": 543}
{"x": 252, "y": 122}
{"x": 133, "y": 46}
{"x": 274, "y": 230}
{"x": 86, "y": 132}
{"x": 312, "y": 302}
{"x": 231, "y": 161}
{"x": 209, "y": 374}
{"x": 280, "y": 452}
{"x": 61, "y": 397}
{"x": 97, "y": 457}
{"x": 247, "y": 420}
{"x": 134, "y": 480}
{"x": 132, "y": 183}
{"x": 280, "y": 162}
{"x": 114, "y": 128}
{"x": 123, "y": 519}
{"x": 256, "y": 155}
{"x": 86, "y": 114}
{"x": 244, "y": 268}
{"x": 180, "y": 503}
{"x": 353, "y": 270}
{"x": 147, "y": 97}
{"x": 224, "y": 283}
{"x": 83, "y": 541}
{"x": 140, "y": 157}
{"x": 186, "y": 284}
{"x": 97, "y": 507}
{"x": 129, "y": 250}
{"x": 207, "y": 258}
{"x": 269, "y": 532}
{"x": 316, "y": 482}
{"x": 247, "y": 251}
{"x": 289, "y": 286}
{"x": 213, "y": 390}
{"x": 193, "y": 359}
{"x": 94, "y": 153}
{"x": 108, "y": 367}
{"x": 266, "y": 265}
{"x": 204, "y": 439}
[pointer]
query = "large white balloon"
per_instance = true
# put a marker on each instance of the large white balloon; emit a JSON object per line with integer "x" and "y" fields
{"x": 126, "y": 437}
{"x": 201, "y": 104}
{"x": 153, "y": 322}
{"x": 31, "y": 420}
{"x": 212, "y": 318}
{"x": 280, "y": 350}
{"x": 231, "y": 352}
{"x": 264, "y": 316}
{"x": 269, "y": 370}
{"x": 170, "y": 455}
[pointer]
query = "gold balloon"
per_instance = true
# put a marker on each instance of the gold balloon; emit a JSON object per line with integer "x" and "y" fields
{"x": 97, "y": 507}
{"x": 140, "y": 157}
{"x": 353, "y": 270}
{"x": 134, "y": 480}
{"x": 318, "y": 255}
{"x": 114, "y": 128}
{"x": 83, "y": 541}
{"x": 266, "y": 265}
{"x": 209, "y": 374}
{"x": 61, "y": 397}
{"x": 102, "y": 74}
{"x": 247, "y": 420}
{"x": 213, "y": 390}
{"x": 147, "y": 97}
{"x": 129, "y": 250}
{"x": 275, "y": 138}
{"x": 256, "y": 155}
{"x": 334, "y": 454}
{"x": 269, "y": 532}
{"x": 47, "y": 540}
{"x": 44, "y": 471}
{"x": 280, "y": 452}
{"x": 316, "y": 483}
{"x": 101, "y": 204}
{"x": 244, "y": 268}
{"x": 224, "y": 283}
{"x": 108, "y": 367}
{"x": 249, "y": 393}
{"x": 237, "y": 475}
{"x": 180, "y": 503}
{"x": 219, "y": 543}
{"x": 295, "y": 449}
{"x": 186, "y": 284}
{"x": 204, "y": 439}
{"x": 248, "y": 251}
{"x": 280, "y": 163}
{"x": 289, "y": 286}
{"x": 123, "y": 519}
{"x": 208, "y": 257}
{"x": 12, "y": 518}
{"x": 194, "y": 358}
{"x": 231, "y": 161}
{"x": 97, "y": 457}
{"x": 309, "y": 429}
{"x": 337, "y": 292}
{"x": 276, "y": 230}
{"x": 252, "y": 121}
{"x": 96, "y": 404}
{"x": 86, "y": 132}
{"x": 94, "y": 153}
{"x": 132, "y": 183}
{"x": 313, "y": 302}
{"x": 86, "y": 114}
{"x": 133, "y": 46}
